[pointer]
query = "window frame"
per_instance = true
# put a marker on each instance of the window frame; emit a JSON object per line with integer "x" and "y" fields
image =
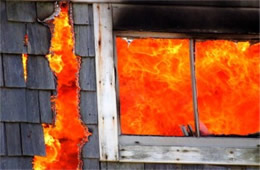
{"x": 129, "y": 148}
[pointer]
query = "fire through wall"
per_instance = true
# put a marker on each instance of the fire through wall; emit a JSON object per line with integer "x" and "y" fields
{"x": 65, "y": 138}
{"x": 155, "y": 86}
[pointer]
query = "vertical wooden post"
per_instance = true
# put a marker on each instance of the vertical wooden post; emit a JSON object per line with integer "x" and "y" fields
{"x": 106, "y": 88}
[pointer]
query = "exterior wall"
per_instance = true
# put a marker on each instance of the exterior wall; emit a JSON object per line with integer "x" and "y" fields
{"x": 25, "y": 105}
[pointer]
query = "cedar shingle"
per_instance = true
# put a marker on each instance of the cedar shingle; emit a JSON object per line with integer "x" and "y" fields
{"x": 21, "y": 11}
{"x": 44, "y": 9}
{"x": 32, "y": 139}
{"x": 84, "y": 40}
{"x": 16, "y": 162}
{"x": 13, "y": 139}
{"x": 81, "y": 40}
{"x": 87, "y": 74}
{"x": 1, "y": 72}
{"x": 152, "y": 166}
{"x": 91, "y": 148}
{"x": 45, "y": 106}
{"x": 91, "y": 45}
{"x": 88, "y": 107}
{"x": 13, "y": 105}
{"x": 39, "y": 73}
{"x": 80, "y": 13}
{"x": 2, "y": 140}
{"x": 12, "y": 36}
{"x": 32, "y": 108}
{"x": 13, "y": 71}
{"x": 115, "y": 166}
{"x": 39, "y": 39}
{"x": 90, "y": 164}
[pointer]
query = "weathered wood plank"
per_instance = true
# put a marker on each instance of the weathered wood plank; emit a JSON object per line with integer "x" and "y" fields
{"x": 39, "y": 37}
{"x": 21, "y": 11}
{"x": 13, "y": 105}
{"x": 32, "y": 139}
{"x": 119, "y": 166}
{"x": 91, "y": 164}
{"x": 45, "y": 106}
{"x": 2, "y": 140}
{"x": 13, "y": 139}
{"x": 106, "y": 94}
{"x": 13, "y": 71}
{"x": 205, "y": 20}
{"x": 40, "y": 75}
{"x": 44, "y": 9}
{"x": 91, "y": 148}
{"x": 152, "y": 166}
{"x": 88, "y": 107}
{"x": 32, "y": 106}
{"x": 16, "y": 162}
{"x": 80, "y": 14}
{"x": 188, "y": 141}
{"x": 87, "y": 76}
{"x": 190, "y": 155}
{"x": 1, "y": 71}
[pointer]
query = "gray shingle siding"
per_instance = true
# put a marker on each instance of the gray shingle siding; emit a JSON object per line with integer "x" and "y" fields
{"x": 21, "y": 11}
{"x": 40, "y": 75}
{"x": 22, "y": 103}
{"x": 13, "y": 71}
{"x": 39, "y": 39}
{"x": 87, "y": 76}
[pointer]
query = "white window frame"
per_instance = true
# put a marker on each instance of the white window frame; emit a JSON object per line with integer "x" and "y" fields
{"x": 125, "y": 148}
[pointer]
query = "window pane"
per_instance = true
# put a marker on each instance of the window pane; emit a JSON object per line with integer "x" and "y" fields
{"x": 227, "y": 76}
{"x": 154, "y": 86}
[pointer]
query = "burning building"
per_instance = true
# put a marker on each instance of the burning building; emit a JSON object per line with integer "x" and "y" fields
{"x": 129, "y": 84}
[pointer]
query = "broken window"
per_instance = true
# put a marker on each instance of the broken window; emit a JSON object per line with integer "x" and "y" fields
{"x": 182, "y": 87}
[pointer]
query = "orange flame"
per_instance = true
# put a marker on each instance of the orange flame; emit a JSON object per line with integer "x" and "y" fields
{"x": 64, "y": 140}
{"x": 24, "y": 60}
{"x": 155, "y": 86}
{"x": 228, "y": 81}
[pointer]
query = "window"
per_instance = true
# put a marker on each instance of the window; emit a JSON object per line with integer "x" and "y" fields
{"x": 156, "y": 82}
{"x": 121, "y": 142}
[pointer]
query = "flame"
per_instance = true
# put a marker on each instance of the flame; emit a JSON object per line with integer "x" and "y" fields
{"x": 65, "y": 138}
{"x": 24, "y": 60}
{"x": 228, "y": 86}
{"x": 155, "y": 86}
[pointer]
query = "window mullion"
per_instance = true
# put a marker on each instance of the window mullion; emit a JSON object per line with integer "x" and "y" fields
{"x": 194, "y": 87}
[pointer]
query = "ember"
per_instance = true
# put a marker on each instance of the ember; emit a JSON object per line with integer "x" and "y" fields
{"x": 65, "y": 138}
{"x": 155, "y": 86}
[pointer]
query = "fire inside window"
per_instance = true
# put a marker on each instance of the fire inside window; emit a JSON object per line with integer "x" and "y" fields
{"x": 182, "y": 87}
